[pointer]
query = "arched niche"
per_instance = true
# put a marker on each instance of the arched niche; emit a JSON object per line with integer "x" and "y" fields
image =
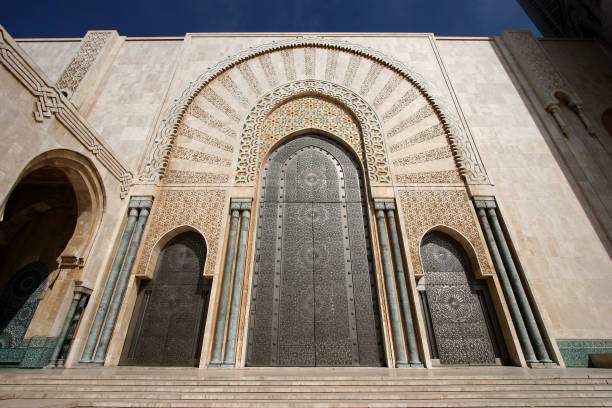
{"x": 460, "y": 320}
{"x": 50, "y": 219}
{"x": 88, "y": 190}
{"x": 153, "y": 256}
{"x": 167, "y": 325}
{"x": 465, "y": 244}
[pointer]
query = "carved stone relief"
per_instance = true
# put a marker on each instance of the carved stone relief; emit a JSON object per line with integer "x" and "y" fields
{"x": 253, "y": 144}
{"x": 91, "y": 46}
{"x": 424, "y": 210}
{"x": 202, "y": 210}
{"x": 463, "y": 151}
{"x": 51, "y": 103}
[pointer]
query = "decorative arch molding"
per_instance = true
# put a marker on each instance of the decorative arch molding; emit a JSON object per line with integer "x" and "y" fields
{"x": 463, "y": 241}
{"x": 461, "y": 146}
{"x": 89, "y": 193}
{"x": 253, "y": 147}
{"x": 153, "y": 255}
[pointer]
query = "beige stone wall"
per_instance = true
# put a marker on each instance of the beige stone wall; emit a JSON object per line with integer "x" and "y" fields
{"x": 562, "y": 254}
{"x": 52, "y": 56}
{"x": 131, "y": 94}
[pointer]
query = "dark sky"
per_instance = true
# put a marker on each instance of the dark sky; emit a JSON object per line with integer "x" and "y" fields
{"x": 70, "y": 18}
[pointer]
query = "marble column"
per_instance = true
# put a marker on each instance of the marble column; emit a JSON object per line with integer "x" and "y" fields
{"x": 230, "y": 254}
{"x": 80, "y": 296}
{"x": 124, "y": 277}
{"x": 400, "y": 279}
{"x": 94, "y": 332}
{"x": 115, "y": 287}
{"x": 62, "y": 337}
{"x": 516, "y": 297}
{"x": 232, "y": 330}
{"x": 515, "y": 281}
{"x": 393, "y": 307}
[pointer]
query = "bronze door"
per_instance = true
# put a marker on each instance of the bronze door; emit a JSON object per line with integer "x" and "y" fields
{"x": 169, "y": 318}
{"x": 461, "y": 324}
{"x": 314, "y": 298}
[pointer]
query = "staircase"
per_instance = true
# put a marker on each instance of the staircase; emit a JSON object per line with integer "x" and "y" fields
{"x": 306, "y": 387}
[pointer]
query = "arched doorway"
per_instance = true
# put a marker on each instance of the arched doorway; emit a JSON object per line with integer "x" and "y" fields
{"x": 314, "y": 299}
{"x": 461, "y": 325}
{"x": 40, "y": 217}
{"x": 169, "y": 318}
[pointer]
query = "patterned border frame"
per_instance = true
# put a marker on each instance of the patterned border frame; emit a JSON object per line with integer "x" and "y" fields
{"x": 252, "y": 149}
{"x": 462, "y": 148}
{"x": 51, "y": 102}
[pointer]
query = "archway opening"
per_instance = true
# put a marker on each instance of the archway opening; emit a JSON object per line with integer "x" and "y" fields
{"x": 314, "y": 297}
{"x": 461, "y": 324}
{"x": 168, "y": 322}
{"x": 40, "y": 218}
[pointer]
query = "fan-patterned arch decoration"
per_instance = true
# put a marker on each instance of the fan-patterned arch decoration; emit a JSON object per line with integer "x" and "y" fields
{"x": 219, "y": 101}
{"x": 258, "y": 135}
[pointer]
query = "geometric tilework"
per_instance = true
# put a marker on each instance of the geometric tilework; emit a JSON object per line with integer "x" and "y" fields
{"x": 311, "y": 112}
{"x": 253, "y": 144}
{"x": 576, "y": 352}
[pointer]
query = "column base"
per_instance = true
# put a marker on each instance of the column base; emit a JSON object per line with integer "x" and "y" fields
{"x": 542, "y": 364}
{"x": 91, "y": 363}
{"x": 409, "y": 365}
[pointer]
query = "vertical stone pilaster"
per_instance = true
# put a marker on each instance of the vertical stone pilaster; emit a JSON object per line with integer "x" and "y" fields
{"x": 225, "y": 339}
{"x": 524, "y": 320}
{"x": 80, "y": 297}
{"x": 225, "y": 288}
{"x": 400, "y": 278}
{"x": 394, "y": 313}
{"x": 112, "y": 297}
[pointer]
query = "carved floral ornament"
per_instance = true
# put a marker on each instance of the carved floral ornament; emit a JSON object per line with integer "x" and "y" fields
{"x": 253, "y": 146}
{"x": 462, "y": 148}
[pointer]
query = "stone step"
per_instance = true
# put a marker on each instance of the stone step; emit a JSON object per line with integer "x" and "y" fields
{"x": 119, "y": 387}
{"x": 583, "y": 402}
{"x": 298, "y": 395}
{"x": 268, "y": 388}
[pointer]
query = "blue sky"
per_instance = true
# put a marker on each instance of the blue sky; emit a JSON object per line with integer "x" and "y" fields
{"x": 69, "y": 18}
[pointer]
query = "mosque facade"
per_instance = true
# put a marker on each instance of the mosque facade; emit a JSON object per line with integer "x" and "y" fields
{"x": 288, "y": 200}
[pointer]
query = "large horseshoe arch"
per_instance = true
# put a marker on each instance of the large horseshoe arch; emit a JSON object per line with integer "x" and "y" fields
{"x": 314, "y": 298}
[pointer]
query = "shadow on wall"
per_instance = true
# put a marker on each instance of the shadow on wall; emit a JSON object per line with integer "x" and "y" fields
{"x": 574, "y": 153}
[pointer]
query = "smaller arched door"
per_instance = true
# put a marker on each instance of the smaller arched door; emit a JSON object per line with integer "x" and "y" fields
{"x": 169, "y": 317}
{"x": 461, "y": 324}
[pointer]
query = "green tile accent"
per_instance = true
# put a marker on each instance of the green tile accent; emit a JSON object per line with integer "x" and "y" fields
{"x": 38, "y": 352}
{"x": 576, "y": 352}
{"x": 11, "y": 357}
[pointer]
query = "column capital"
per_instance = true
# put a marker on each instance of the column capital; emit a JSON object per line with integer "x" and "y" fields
{"x": 384, "y": 204}
{"x": 241, "y": 203}
{"x": 485, "y": 202}
{"x": 141, "y": 202}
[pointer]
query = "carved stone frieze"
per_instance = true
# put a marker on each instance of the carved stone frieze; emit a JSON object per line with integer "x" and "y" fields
{"x": 202, "y": 210}
{"x": 253, "y": 144}
{"x": 463, "y": 151}
{"x": 428, "y": 155}
{"x": 309, "y": 112}
{"x": 91, "y": 46}
{"x": 537, "y": 67}
{"x": 50, "y": 102}
{"x": 424, "y": 210}
{"x": 433, "y": 177}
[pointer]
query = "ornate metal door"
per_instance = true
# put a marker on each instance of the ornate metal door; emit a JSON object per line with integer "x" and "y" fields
{"x": 460, "y": 321}
{"x": 169, "y": 318}
{"x": 314, "y": 296}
